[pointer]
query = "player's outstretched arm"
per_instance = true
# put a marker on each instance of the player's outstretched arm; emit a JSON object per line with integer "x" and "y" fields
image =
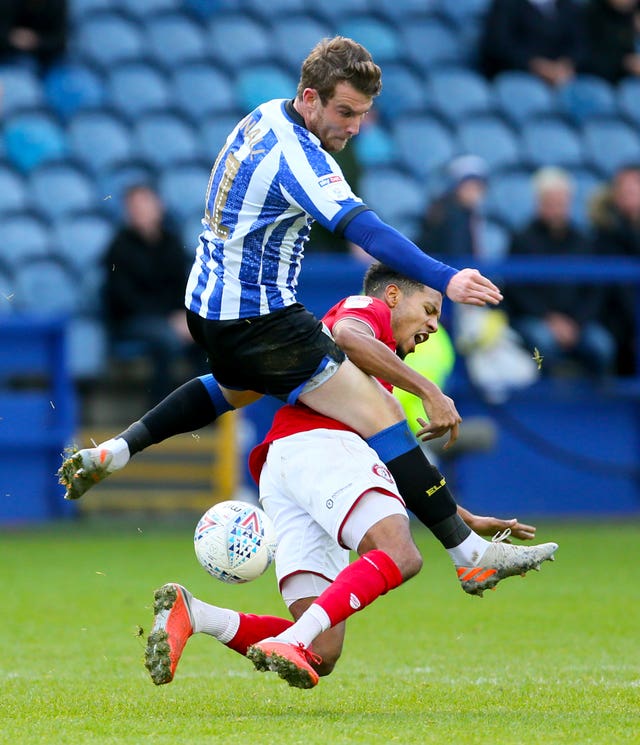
{"x": 489, "y": 526}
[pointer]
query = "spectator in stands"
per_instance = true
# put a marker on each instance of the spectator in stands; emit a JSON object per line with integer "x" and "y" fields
{"x": 544, "y": 37}
{"x": 611, "y": 30}
{"x": 615, "y": 218}
{"x": 561, "y": 320}
{"x": 33, "y": 28}
{"x": 450, "y": 226}
{"x": 146, "y": 272}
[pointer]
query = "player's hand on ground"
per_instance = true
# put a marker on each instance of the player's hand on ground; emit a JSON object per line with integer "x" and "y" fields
{"x": 443, "y": 418}
{"x": 472, "y": 288}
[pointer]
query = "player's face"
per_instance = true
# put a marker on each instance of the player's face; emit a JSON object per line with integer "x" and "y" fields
{"x": 339, "y": 120}
{"x": 414, "y": 317}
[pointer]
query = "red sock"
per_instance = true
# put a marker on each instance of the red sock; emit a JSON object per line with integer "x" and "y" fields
{"x": 254, "y": 629}
{"x": 359, "y": 584}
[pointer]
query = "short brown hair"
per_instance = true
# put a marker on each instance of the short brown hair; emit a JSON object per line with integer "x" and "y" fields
{"x": 339, "y": 60}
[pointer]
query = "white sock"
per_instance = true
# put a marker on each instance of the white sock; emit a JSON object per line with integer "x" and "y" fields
{"x": 119, "y": 449}
{"x": 470, "y": 551}
{"x": 310, "y": 624}
{"x": 221, "y": 623}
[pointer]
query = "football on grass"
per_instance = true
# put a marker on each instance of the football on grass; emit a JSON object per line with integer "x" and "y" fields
{"x": 235, "y": 541}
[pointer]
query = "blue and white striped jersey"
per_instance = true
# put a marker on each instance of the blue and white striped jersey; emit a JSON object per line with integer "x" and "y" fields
{"x": 269, "y": 183}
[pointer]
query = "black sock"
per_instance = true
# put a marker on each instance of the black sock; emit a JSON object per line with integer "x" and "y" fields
{"x": 426, "y": 494}
{"x": 186, "y": 409}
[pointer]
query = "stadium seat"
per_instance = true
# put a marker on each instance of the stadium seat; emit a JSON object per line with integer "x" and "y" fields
{"x": 86, "y": 348}
{"x": 335, "y": 12}
{"x": 294, "y": 36}
{"x": 136, "y": 88}
{"x": 46, "y": 286}
{"x": 248, "y": 38}
{"x": 429, "y": 43}
{"x": 212, "y": 135}
{"x": 71, "y": 87}
{"x": 457, "y": 93}
{"x": 510, "y": 199}
{"x": 7, "y": 292}
{"x": 79, "y": 10}
{"x": 374, "y": 146}
{"x": 586, "y": 183}
{"x": 201, "y": 90}
{"x": 99, "y": 139}
{"x": 255, "y": 85}
{"x": 174, "y": 38}
{"x": 398, "y": 12}
{"x": 380, "y": 38}
{"x": 163, "y": 139}
{"x": 144, "y": 9}
{"x": 493, "y": 242}
{"x": 61, "y": 188}
{"x": 33, "y": 138}
{"x": 609, "y": 144}
{"x": 550, "y": 142}
{"x": 629, "y": 100}
{"x": 423, "y": 144}
{"x": 275, "y": 9}
{"x": 587, "y": 96}
{"x": 108, "y": 38}
{"x": 393, "y": 194}
{"x": 21, "y": 89}
{"x": 183, "y": 189}
{"x": 491, "y": 139}
{"x": 81, "y": 238}
{"x": 13, "y": 191}
{"x": 402, "y": 92}
{"x": 23, "y": 236}
{"x": 520, "y": 96}
{"x": 191, "y": 227}
{"x": 114, "y": 182}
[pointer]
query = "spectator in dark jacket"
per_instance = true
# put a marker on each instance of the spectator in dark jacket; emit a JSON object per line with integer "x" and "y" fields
{"x": 33, "y": 28}
{"x": 544, "y": 37}
{"x": 146, "y": 273}
{"x": 610, "y": 27}
{"x": 561, "y": 320}
{"x": 615, "y": 218}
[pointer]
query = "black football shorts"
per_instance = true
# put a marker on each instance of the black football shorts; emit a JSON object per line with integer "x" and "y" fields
{"x": 276, "y": 354}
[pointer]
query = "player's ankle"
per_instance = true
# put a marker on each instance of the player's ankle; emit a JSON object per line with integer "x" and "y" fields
{"x": 119, "y": 450}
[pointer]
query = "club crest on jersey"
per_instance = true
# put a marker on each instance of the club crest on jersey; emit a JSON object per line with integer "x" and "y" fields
{"x": 383, "y": 472}
{"x": 357, "y": 301}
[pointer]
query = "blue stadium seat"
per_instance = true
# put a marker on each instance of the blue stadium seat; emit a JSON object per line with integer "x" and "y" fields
{"x": 519, "y": 96}
{"x": 80, "y": 10}
{"x": 551, "y": 142}
{"x": 586, "y": 183}
{"x": 255, "y": 85}
{"x": 380, "y": 38}
{"x": 587, "y": 96}
{"x": 274, "y": 9}
{"x": 201, "y": 90}
{"x": 82, "y": 238}
{"x": 23, "y": 236}
{"x": 396, "y": 196}
{"x": 491, "y": 139}
{"x": 164, "y": 139}
{"x": 463, "y": 12}
{"x": 46, "y": 286}
{"x": 629, "y": 100}
{"x": 248, "y": 38}
{"x": 493, "y": 241}
{"x": 144, "y": 9}
{"x": 374, "y": 146}
{"x": 212, "y": 135}
{"x": 71, "y": 87}
{"x": 457, "y": 93}
{"x": 114, "y": 181}
{"x": 402, "y": 92}
{"x": 294, "y": 36}
{"x": 609, "y": 144}
{"x": 423, "y": 144}
{"x": 99, "y": 139}
{"x": 136, "y": 88}
{"x": 21, "y": 89}
{"x": 33, "y": 138}
{"x": 7, "y": 292}
{"x": 108, "y": 38}
{"x": 191, "y": 229}
{"x": 86, "y": 348}
{"x": 174, "y": 38}
{"x": 61, "y": 188}
{"x": 334, "y": 12}
{"x": 183, "y": 189}
{"x": 399, "y": 12}
{"x": 510, "y": 199}
{"x": 13, "y": 190}
{"x": 429, "y": 43}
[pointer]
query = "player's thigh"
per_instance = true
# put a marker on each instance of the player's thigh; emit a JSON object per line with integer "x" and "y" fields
{"x": 356, "y": 399}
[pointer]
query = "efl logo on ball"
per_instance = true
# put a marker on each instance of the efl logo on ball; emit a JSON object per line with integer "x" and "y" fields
{"x": 235, "y": 541}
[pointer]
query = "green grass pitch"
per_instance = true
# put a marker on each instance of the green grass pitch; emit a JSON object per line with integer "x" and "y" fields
{"x": 553, "y": 658}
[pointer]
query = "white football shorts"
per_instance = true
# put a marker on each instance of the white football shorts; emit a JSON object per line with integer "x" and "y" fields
{"x": 309, "y": 485}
